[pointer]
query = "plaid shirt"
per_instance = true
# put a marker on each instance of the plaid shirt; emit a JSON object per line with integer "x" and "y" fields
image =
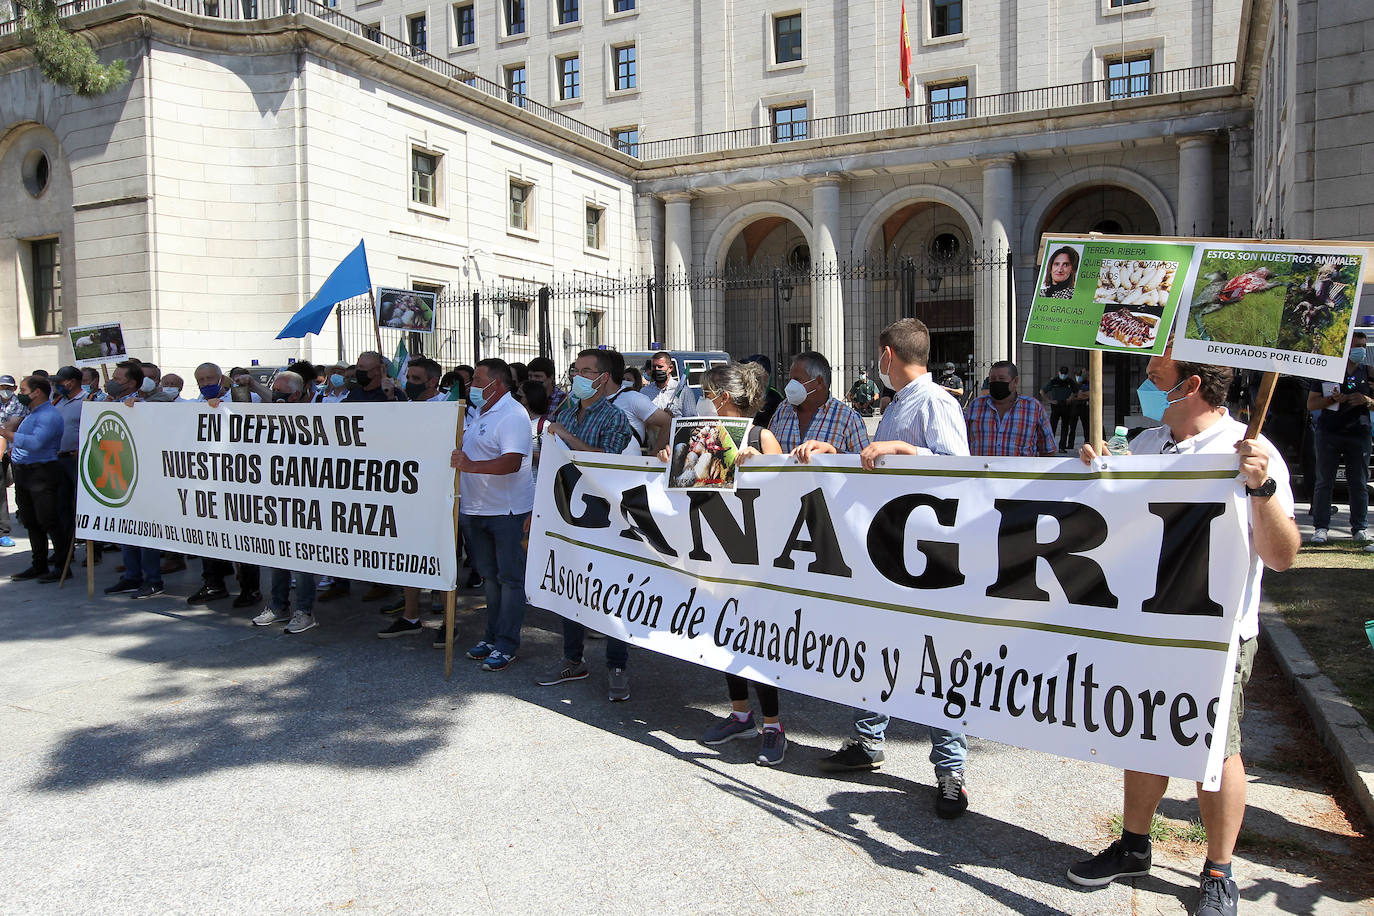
{"x": 835, "y": 422}
{"x": 12, "y": 409}
{"x": 1022, "y": 432}
{"x": 556, "y": 401}
{"x": 604, "y": 426}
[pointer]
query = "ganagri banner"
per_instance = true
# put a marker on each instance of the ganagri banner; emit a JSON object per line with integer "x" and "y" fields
{"x": 1085, "y": 612}
{"x": 362, "y": 491}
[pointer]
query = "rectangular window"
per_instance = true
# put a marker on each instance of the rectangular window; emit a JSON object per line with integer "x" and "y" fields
{"x": 514, "y": 16}
{"x": 373, "y": 32}
{"x": 250, "y": 9}
{"x": 569, "y": 78}
{"x": 1129, "y": 77}
{"x": 596, "y": 227}
{"x": 789, "y": 122}
{"x": 567, "y": 11}
{"x": 464, "y": 24}
{"x": 515, "y": 85}
{"x": 626, "y": 67}
{"x": 787, "y": 38}
{"x": 424, "y": 185}
{"x": 47, "y": 287}
{"x": 946, "y": 18}
{"x": 1116, "y": 3}
{"x": 521, "y": 198}
{"x": 593, "y": 336}
{"x": 799, "y": 337}
{"x": 520, "y": 317}
{"x": 626, "y": 140}
{"x": 419, "y": 32}
{"x": 948, "y": 101}
{"x": 622, "y": 6}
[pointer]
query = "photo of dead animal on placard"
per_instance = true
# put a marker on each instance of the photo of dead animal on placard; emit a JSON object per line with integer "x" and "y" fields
{"x": 94, "y": 344}
{"x": 406, "y": 309}
{"x": 705, "y": 452}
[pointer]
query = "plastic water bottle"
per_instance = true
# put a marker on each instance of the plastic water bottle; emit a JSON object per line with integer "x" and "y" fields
{"x": 1117, "y": 444}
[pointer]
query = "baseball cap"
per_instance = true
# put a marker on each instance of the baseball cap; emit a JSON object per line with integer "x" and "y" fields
{"x": 68, "y": 374}
{"x": 7, "y": 380}
{"x": 949, "y": 367}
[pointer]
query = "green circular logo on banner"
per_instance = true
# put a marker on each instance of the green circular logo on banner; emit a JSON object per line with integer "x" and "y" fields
{"x": 109, "y": 461}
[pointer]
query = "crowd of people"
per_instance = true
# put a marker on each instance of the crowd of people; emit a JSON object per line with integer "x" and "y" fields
{"x": 610, "y": 407}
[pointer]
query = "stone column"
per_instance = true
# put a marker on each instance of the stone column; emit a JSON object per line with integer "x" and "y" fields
{"x": 827, "y": 292}
{"x": 990, "y": 303}
{"x": 677, "y": 261}
{"x": 1194, "y": 185}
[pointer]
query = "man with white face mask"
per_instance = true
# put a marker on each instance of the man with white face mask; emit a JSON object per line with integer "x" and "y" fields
{"x": 811, "y": 422}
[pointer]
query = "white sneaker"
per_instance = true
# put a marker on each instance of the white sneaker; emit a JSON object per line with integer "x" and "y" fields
{"x": 269, "y": 616}
{"x": 1359, "y": 535}
{"x": 1319, "y": 536}
{"x": 300, "y": 622}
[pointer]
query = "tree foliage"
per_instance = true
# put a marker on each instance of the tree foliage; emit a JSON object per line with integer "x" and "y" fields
{"x": 63, "y": 58}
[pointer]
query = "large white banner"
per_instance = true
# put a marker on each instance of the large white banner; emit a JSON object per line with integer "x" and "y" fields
{"x": 362, "y": 491}
{"x": 1086, "y": 612}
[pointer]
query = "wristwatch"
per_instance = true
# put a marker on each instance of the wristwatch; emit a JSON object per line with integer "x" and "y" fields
{"x": 1264, "y": 490}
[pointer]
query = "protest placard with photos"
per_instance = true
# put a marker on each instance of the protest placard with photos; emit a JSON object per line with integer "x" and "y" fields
{"x": 704, "y": 451}
{"x": 406, "y": 309}
{"x": 97, "y": 344}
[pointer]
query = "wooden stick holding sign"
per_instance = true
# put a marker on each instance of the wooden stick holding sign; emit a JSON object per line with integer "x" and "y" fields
{"x": 451, "y": 598}
{"x": 376, "y": 325}
{"x": 1094, "y": 400}
{"x": 1261, "y": 405}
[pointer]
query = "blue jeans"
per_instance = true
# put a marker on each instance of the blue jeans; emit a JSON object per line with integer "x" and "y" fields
{"x": 143, "y": 565}
{"x": 281, "y": 590}
{"x": 494, "y": 544}
{"x": 617, "y": 652}
{"x": 948, "y": 750}
{"x": 1353, "y": 451}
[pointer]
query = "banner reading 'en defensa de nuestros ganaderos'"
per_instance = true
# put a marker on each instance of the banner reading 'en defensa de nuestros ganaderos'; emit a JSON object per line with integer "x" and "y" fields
{"x": 362, "y": 491}
{"x": 1089, "y": 613}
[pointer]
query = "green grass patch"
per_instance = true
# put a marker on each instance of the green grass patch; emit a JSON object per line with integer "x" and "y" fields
{"x": 1325, "y": 599}
{"x": 1165, "y": 830}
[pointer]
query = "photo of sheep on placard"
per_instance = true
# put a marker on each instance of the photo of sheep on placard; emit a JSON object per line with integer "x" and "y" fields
{"x": 705, "y": 452}
{"x": 94, "y": 344}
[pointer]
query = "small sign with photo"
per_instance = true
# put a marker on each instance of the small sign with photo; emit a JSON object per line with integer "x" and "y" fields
{"x": 96, "y": 344}
{"x": 406, "y": 309}
{"x": 704, "y": 452}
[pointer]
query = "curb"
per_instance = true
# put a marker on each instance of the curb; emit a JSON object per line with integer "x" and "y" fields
{"x": 1343, "y": 730}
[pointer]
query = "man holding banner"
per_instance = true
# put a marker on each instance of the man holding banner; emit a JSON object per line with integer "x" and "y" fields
{"x": 1189, "y": 399}
{"x": 923, "y": 419}
{"x": 587, "y": 422}
{"x": 496, "y": 499}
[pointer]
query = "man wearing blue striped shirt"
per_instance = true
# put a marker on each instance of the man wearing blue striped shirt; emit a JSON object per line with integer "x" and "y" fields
{"x": 923, "y": 419}
{"x": 38, "y": 478}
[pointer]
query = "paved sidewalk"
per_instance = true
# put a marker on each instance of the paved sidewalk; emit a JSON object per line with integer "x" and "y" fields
{"x": 163, "y": 758}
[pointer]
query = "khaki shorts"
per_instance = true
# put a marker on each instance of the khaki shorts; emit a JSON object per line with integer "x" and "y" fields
{"x": 1245, "y": 661}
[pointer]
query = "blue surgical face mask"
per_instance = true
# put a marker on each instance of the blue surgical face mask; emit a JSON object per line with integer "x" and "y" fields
{"x": 86, "y": 391}
{"x": 477, "y": 397}
{"x": 210, "y": 392}
{"x": 1357, "y": 355}
{"x": 336, "y": 380}
{"x": 1154, "y": 402}
{"x": 583, "y": 388}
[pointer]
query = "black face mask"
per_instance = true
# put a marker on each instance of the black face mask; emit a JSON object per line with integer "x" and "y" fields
{"x": 361, "y": 378}
{"x": 659, "y": 375}
{"x": 999, "y": 390}
{"x": 279, "y": 398}
{"x": 414, "y": 390}
{"x": 23, "y": 399}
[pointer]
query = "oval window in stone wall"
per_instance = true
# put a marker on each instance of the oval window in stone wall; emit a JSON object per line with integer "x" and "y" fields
{"x": 800, "y": 258}
{"x": 37, "y": 172}
{"x": 945, "y": 247}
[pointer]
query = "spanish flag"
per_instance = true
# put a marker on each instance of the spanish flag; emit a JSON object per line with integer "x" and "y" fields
{"x": 904, "y": 56}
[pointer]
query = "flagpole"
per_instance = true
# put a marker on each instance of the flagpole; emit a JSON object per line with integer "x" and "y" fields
{"x": 376, "y": 326}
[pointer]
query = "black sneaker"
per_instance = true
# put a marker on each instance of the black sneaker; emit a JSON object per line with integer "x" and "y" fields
{"x": 248, "y": 599}
{"x": 401, "y": 627}
{"x": 395, "y": 606}
{"x": 852, "y": 756}
{"x": 952, "y": 799}
{"x": 207, "y": 593}
{"x": 1108, "y": 865}
{"x": 30, "y": 573}
{"x": 1217, "y": 895}
{"x": 147, "y": 591}
{"x": 122, "y": 586}
{"x": 52, "y": 575}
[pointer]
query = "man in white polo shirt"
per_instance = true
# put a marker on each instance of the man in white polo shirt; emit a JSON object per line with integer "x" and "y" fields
{"x": 497, "y": 496}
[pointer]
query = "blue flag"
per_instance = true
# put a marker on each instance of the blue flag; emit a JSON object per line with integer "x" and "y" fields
{"x": 349, "y": 279}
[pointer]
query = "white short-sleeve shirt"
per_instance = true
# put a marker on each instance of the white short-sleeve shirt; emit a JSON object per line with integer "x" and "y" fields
{"x": 636, "y": 408}
{"x": 501, "y": 429}
{"x": 1220, "y": 439}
